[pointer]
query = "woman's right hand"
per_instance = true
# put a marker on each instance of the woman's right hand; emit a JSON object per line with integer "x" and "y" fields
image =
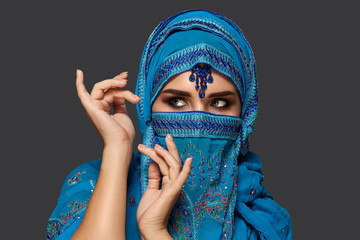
{"x": 115, "y": 128}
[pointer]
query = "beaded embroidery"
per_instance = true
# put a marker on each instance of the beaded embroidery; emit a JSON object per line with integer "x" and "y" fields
{"x": 252, "y": 191}
{"x": 214, "y": 201}
{"x": 57, "y": 225}
{"x": 54, "y": 228}
{"x": 191, "y": 124}
{"x": 210, "y": 192}
{"x": 75, "y": 179}
{"x": 187, "y": 58}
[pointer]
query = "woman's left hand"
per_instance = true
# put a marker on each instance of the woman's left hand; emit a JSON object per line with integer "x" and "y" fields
{"x": 156, "y": 204}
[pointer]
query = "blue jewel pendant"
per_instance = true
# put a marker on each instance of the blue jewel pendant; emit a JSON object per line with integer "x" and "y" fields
{"x": 192, "y": 77}
{"x": 202, "y": 72}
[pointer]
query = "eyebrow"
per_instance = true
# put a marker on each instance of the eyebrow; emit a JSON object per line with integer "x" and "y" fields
{"x": 221, "y": 94}
{"x": 186, "y": 94}
{"x": 177, "y": 92}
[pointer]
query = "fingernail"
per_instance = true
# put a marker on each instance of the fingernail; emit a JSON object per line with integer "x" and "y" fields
{"x": 169, "y": 137}
{"x": 141, "y": 146}
{"x": 158, "y": 146}
{"x": 136, "y": 97}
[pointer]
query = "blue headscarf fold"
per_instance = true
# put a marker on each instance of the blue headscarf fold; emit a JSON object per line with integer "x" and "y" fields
{"x": 197, "y": 36}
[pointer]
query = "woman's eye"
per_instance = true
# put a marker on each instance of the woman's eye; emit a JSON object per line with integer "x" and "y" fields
{"x": 219, "y": 103}
{"x": 177, "y": 102}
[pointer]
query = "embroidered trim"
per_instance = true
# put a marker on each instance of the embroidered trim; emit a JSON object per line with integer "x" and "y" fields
{"x": 150, "y": 140}
{"x": 186, "y": 58}
{"x": 196, "y": 124}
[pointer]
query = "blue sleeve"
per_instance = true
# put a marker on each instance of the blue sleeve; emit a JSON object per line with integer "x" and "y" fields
{"x": 73, "y": 200}
{"x": 257, "y": 214}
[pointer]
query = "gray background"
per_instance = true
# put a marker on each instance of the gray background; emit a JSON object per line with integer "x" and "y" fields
{"x": 306, "y": 133}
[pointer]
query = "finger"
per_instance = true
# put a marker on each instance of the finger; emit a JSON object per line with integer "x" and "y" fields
{"x": 164, "y": 168}
{"x": 154, "y": 176}
{"x": 171, "y": 146}
{"x": 175, "y": 167}
{"x": 111, "y": 95}
{"x": 122, "y": 75}
{"x": 119, "y": 105}
{"x": 101, "y": 87}
{"x": 80, "y": 87}
{"x": 181, "y": 179}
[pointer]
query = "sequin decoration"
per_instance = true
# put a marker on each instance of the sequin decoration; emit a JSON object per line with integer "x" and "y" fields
{"x": 75, "y": 179}
{"x": 207, "y": 196}
{"x": 201, "y": 72}
{"x": 252, "y": 192}
{"x": 74, "y": 211}
{"x": 54, "y": 229}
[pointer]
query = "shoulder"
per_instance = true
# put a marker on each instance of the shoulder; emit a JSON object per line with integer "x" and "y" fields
{"x": 256, "y": 206}
{"x": 87, "y": 172}
{"x": 74, "y": 197}
{"x": 80, "y": 182}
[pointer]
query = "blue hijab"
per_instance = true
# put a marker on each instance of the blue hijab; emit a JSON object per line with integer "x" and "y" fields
{"x": 177, "y": 45}
{"x": 191, "y": 37}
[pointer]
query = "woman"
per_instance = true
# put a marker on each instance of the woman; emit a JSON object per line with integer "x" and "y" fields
{"x": 196, "y": 98}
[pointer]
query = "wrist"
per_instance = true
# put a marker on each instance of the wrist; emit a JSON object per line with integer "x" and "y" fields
{"x": 120, "y": 145}
{"x": 117, "y": 156}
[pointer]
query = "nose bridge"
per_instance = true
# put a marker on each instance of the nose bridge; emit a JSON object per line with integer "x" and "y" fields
{"x": 199, "y": 105}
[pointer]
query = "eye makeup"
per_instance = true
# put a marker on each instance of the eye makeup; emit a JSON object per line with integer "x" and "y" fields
{"x": 220, "y": 103}
{"x": 176, "y": 102}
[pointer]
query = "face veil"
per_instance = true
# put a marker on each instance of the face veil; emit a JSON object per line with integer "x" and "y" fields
{"x": 206, "y": 205}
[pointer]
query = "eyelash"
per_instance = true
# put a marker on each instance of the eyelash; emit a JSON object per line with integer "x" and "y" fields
{"x": 171, "y": 101}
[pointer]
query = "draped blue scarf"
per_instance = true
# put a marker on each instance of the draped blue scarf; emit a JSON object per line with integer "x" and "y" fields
{"x": 175, "y": 46}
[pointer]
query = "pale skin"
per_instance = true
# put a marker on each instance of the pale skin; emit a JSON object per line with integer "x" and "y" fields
{"x": 105, "y": 215}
